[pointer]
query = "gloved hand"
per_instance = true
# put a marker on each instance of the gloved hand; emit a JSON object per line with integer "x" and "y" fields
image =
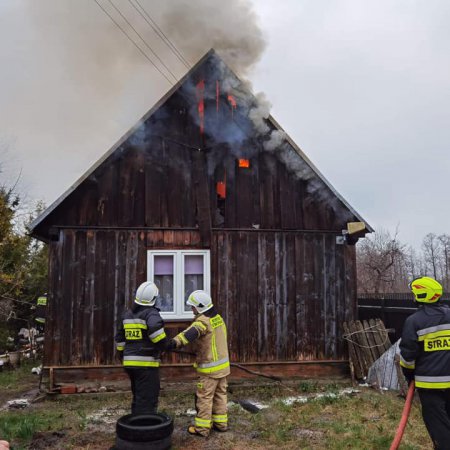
{"x": 171, "y": 345}
{"x": 409, "y": 375}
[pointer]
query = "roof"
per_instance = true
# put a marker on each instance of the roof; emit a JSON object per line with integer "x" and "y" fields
{"x": 211, "y": 53}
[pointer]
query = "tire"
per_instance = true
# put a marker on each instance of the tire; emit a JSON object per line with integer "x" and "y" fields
{"x": 160, "y": 444}
{"x": 144, "y": 427}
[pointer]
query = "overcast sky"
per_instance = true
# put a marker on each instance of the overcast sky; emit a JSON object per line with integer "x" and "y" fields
{"x": 363, "y": 87}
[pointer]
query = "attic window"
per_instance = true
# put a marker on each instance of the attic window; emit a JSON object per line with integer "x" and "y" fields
{"x": 243, "y": 163}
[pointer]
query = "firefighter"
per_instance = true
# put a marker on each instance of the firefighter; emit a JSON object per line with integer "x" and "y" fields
{"x": 140, "y": 339}
{"x": 41, "y": 311}
{"x": 208, "y": 333}
{"x": 425, "y": 357}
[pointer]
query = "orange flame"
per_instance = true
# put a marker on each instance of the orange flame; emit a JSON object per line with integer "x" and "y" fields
{"x": 201, "y": 104}
{"x": 244, "y": 163}
{"x": 232, "y": 101}
{"x": 221, "y": 189}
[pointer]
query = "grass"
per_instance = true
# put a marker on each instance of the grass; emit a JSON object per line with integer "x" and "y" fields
{"x": 366, "y": 420}
{"x": 18, "y": 377}
{"x": 19, "y": 427}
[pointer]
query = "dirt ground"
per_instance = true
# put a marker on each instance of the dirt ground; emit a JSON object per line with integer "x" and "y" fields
{"x": 298, "y": 414}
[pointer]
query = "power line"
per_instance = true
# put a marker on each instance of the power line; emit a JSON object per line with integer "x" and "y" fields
{"x": 160, "y": 33}
{"x": 133, "y": 42}
{"x": 142, "y": 39}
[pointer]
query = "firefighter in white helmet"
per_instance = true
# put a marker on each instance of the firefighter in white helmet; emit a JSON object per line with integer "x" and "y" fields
{"x": 425, "y": 357}
{"x": 140, "y": 339}
{"x": 208, "y": 333}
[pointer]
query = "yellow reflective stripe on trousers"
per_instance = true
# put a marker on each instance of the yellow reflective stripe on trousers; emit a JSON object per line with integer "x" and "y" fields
{"x": 220, "y": 418}
{"x": 202, "y": 423}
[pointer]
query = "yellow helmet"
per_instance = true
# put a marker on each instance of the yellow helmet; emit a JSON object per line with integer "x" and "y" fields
{"x": 426, "y": 289}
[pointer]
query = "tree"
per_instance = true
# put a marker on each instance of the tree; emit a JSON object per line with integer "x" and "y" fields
{"x": 432, "y": 254}
{"x": 380, "y": 263}
{"x": 444, "y": 242}
{"x": 23, "y": 267}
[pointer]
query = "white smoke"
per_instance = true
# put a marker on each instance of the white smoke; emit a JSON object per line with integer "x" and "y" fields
{"x": 276, "y": 139}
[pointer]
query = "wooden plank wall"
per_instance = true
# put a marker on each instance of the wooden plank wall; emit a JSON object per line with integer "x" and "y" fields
{"x": 148, "y": 182}
{"x": 289, "y": 299}
{"x": 284, "y": 295}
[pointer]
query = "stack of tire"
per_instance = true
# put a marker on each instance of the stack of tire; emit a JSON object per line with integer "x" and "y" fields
{"x": 139, "y": 432}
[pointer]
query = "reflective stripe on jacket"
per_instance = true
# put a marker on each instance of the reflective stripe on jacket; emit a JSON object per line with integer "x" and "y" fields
{"x": 141, "y": 337}
{"x": 41, "y": 309}
{"x": 425, "y": 346}
{"x": 208, "y": 333}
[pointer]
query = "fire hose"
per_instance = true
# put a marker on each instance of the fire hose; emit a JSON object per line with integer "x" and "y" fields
{"x": 403, "y": 421}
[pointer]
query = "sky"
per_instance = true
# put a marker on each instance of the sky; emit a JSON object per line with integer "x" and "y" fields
{"x": 363, "y": 87}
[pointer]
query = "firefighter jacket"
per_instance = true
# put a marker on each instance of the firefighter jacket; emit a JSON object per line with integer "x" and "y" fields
{"x": 41, "y": 309}
{"x": 208, "y": 335}
{"x": 141, "y": 337}
{"x": 425, "y": 346}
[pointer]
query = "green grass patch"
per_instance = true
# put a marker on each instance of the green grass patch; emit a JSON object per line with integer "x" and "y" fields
{"x": 19, "y": 376}
{"x": 19, "y": 427}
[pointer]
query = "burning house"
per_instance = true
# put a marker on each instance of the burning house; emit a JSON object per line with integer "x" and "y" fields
{"x": 206, "y": 191}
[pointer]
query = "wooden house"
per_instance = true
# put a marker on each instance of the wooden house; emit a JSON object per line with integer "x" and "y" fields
{"x": 204, "y": 192}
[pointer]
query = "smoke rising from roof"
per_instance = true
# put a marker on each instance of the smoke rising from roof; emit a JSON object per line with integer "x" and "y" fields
{"x": 230, "y": 27}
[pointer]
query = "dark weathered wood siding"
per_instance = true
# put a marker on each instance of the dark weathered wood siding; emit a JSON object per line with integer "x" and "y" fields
{"x": 279, "y": 278}
{"x": 284, "y": 295}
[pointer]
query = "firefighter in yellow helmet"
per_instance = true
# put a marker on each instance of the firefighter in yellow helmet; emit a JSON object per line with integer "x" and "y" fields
{"x": 208, "y": 333}
{"x": 425, "y": 357}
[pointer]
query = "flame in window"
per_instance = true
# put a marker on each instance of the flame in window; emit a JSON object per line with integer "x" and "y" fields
{"x": 221, "y": 189}
{"x": 201, "y": 104}
{"x": 244, "y": 163}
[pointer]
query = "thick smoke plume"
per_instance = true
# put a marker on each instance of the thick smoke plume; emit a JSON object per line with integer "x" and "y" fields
{"x": 230, "y": 27}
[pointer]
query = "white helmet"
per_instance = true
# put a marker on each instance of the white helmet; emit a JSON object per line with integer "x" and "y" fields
{"x": 146, "y": 294}
{"x": 201, "y": 300}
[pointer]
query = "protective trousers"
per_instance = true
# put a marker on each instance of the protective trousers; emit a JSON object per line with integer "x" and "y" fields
{"x": 436, "y": 415}
{"x": 211, "y": 404}
{"x": 145, "y": 388}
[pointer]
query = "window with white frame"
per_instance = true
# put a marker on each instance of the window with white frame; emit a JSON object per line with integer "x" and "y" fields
{"x": 177, "y": 273}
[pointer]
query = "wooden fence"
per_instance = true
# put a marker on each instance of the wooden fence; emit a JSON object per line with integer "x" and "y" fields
{"x": 392, "y": 309}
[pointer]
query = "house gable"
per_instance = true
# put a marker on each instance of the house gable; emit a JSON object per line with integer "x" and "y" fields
{"x": 179, "y": 168}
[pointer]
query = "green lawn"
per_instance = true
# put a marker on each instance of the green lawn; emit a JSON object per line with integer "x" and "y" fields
{"x": 364, "y": 420}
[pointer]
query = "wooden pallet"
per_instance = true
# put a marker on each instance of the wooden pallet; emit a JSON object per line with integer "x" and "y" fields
{"x": 367, "y": 341}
